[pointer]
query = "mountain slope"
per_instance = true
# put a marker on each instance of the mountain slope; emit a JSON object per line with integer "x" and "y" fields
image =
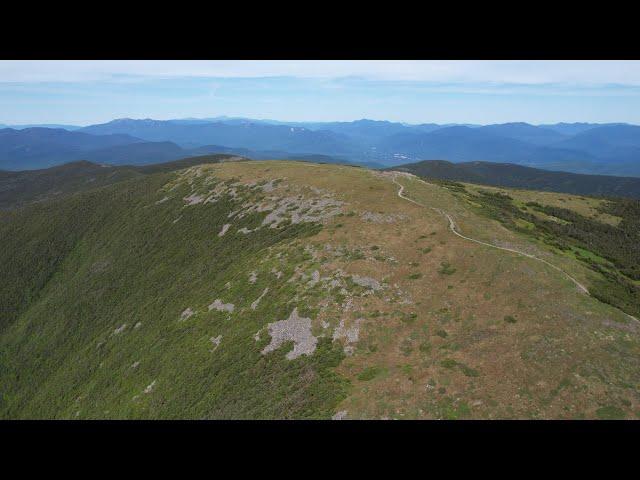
{"x": 141, "y": 153}
{"x": 570, "y": 128}
{"x": 509, "y": 175}
{"x": 18, "y": 188}
{"x": 43, "y": 147}
{"x": 602, "y": 141}
{"x": 295, "y": 290}
{"x": 253, "y": 136}
{"x": 457, "y": 144}
{"x": 463, "y": 144}
{"x": 24, "y": 187}
{"x": 368, "y": 132}
{"x": 525, "y": 132}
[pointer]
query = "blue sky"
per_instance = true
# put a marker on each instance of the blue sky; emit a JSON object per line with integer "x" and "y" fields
{"x": 86, "y": 92}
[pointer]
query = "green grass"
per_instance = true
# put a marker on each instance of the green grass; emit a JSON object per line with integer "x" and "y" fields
{"x": 448, "y": 409}
{"x": 465, "y": 369}
{"x": 446, "y": 269}
{"x": 468, "y": 371}
{"x": 369, "y": 373}
{"x": 448, "y": 363}
{"x": 610, "y": 251}
{"x": 442, "y": 333}
{"x": 610, "y": 412}
{"x": 409, "y": 318}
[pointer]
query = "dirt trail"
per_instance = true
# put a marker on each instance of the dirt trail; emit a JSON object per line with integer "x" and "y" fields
{"x": 453, "y": 228}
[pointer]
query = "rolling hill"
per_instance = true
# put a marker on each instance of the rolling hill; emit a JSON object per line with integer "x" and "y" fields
{"x": 296, "y": 290}
{"x": 20, "y": 188}
{"x": 44, "y": 147}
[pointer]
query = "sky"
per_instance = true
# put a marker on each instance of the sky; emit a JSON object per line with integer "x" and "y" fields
{"x": 479, "y": 92}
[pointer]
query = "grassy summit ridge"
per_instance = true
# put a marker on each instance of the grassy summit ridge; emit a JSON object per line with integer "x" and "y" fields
{"x": 292, "y": 290}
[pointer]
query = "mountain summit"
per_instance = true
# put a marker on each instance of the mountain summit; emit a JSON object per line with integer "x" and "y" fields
{"x": 289, "y": 290}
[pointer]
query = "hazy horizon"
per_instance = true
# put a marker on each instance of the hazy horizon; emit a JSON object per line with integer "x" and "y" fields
{"x": 444, "y": 92}
{"x": 230, "y": 117}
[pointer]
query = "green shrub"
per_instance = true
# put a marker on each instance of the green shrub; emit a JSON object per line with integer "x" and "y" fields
{"x": 610, "y": 412}
{"x": 369, "y": 373}
{"x": 448, "y": 363}
{"x": 468, "y": 371}
{"x": 446, "y": 269}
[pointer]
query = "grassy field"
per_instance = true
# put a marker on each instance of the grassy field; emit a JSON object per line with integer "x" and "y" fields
{"x": 602, "y": 235}
{"x": 586, "y": 206}
{"x": 295, "y": 290}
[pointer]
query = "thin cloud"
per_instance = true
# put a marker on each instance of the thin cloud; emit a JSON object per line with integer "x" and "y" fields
{"x": 573, "y": 73}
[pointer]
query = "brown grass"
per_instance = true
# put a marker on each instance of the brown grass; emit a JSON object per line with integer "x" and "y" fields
{"x": 563, "y": 358}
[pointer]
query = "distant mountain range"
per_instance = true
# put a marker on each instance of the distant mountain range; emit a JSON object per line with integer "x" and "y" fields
{"x": 254, "y": 136}
{"x": 517, "y": 176}
{"x": 41, "y": 125}
{"x": 606, "y": 149}
{"x": 36, "y": 148}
